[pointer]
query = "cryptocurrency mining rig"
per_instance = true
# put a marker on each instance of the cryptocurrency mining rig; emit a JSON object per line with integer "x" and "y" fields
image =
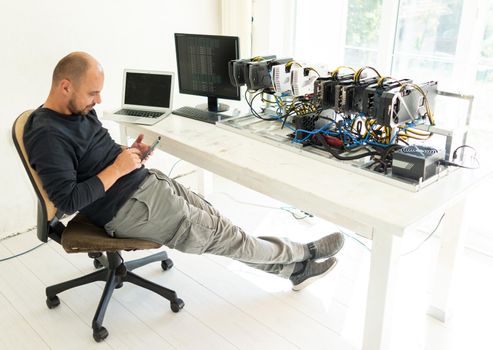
{"x": 372, "y": 122}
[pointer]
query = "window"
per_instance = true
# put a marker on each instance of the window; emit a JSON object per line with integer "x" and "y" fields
{"x": 426, "y": 40}
{"x": 484, "y": 73}
{"x": 450, "y": 41}
{"x": 362, "y": 39}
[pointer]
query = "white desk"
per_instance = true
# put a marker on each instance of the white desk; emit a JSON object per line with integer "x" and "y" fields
{"x": 373, "y": 209}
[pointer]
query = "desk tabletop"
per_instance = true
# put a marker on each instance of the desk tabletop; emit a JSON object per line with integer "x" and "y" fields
{"x": 352, "y": 200}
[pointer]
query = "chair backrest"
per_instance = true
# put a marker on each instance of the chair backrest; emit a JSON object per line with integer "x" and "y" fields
{"x": 46, "y": 209}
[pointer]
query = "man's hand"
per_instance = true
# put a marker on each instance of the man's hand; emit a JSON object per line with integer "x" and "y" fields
{"x": 127, "y": 161}
{"x": 142, "y": 147}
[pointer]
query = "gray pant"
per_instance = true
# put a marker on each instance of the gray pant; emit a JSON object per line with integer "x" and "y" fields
{"x": 164, "y": 211}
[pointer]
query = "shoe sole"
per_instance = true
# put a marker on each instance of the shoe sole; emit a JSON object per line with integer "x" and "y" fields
{"x": 310, "y": 280}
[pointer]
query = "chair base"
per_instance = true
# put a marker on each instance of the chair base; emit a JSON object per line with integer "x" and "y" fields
{"x": 115, "y": 272}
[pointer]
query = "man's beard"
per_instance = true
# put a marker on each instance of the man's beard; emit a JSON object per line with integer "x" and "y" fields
{"x": 74, "y": 110}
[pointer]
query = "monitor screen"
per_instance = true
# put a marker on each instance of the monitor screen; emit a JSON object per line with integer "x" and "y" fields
{"x": 202, "y": 62}
{"x": 147, "y": 89}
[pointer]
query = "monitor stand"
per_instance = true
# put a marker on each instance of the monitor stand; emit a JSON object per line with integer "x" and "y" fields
{"x": 213, "y": 106}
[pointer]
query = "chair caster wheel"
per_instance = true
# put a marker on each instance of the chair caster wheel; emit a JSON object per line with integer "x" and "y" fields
{"x": 94, "y": 255}
{"x": 97, "y": 264}
{"x": 167, "y": 264}
{"x": 52, "y": 302}
{"x": 99, "y": 334}
{"x": 177, "y": 305}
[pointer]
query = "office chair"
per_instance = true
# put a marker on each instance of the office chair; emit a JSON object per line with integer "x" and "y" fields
{"x": 79, "y": 235}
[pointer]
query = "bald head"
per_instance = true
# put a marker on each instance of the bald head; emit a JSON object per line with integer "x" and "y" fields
{"x": 76, "y": 86}
{"x": 74, "y": 67}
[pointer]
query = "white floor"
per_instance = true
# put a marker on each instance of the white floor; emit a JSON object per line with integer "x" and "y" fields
{"x": 231, "y": 306}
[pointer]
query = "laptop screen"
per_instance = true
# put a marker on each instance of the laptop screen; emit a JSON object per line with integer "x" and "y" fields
{"x": 147, "y": 89}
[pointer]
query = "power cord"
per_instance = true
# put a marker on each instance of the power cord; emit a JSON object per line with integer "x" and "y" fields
{"x": 173, "y": 166}
{"x": 184, "y": 174}
{"x": 24, "y": 252}
{"x": 179, "y": 175}
{"x": 409, "y": 252}
{"x": 449, "y": 163}
{"x": 20, "y": 254}
{"x": 354, "y": 238}
{"x": 427, "y": 237}
{"x": 473, "y": 158}
{"x": 293, "y": 211}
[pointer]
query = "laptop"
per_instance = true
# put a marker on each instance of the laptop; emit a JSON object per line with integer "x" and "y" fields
{"x": 147, "y": 97}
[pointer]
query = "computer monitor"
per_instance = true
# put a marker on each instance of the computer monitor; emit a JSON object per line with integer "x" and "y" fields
{"x": 202, "y": 62}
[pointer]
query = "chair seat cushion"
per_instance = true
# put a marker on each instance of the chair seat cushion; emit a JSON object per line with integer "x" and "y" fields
{"x": 81, "y": 236}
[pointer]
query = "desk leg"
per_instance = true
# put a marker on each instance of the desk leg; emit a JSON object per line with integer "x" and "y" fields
{"x": 204, "y": 182}
{"x": 123, "y": 135}
{"x": 384, "y": 266}
{"x": 452, "y": 242}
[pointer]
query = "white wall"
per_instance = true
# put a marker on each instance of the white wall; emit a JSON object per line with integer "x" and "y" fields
{"x": 236, "y": 17}
{"x": 34, "y": 35}
{"x": 273, "y": 27}
{"x": 323, "y": 40}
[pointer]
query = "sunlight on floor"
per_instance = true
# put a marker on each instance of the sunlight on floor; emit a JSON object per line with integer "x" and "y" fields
{"x": 342, "y": 294}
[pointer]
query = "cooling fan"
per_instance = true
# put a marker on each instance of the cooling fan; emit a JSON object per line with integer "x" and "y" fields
{"x": 416, "y": 162}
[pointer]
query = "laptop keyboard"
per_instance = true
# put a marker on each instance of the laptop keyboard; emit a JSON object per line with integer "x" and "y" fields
{"x": 137, "y": 113}
{"x": 200, "y": 114}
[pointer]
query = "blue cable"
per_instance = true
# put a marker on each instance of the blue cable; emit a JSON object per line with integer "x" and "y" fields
{"x": 349, "y": 139}
{"x": 310, "y": 133}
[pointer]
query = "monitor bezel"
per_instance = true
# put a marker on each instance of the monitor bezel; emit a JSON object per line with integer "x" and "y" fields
{"x": 148, "y": 108}
{"x": 237, "y": 97}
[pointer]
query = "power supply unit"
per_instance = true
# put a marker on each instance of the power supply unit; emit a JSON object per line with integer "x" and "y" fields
{"x": 416, "y": 161}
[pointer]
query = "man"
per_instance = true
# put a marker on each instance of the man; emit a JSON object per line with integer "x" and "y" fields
{"x": 83, "y": 169}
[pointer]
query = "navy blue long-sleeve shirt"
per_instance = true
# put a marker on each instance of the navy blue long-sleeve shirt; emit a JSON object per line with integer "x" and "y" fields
{"x": 68, "y": 152}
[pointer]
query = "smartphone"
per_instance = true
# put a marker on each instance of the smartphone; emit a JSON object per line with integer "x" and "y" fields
{"x": 146, "y": 153}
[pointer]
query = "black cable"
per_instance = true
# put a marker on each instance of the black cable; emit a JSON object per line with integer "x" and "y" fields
{"x": 321, "y": 139}
{"x": 448, "y": 163}
{"x": 379, "y": 166}
{"x": 254, "y": 112}
{"x": 386, "y": 160}
{"x": 390, "y": 149}
{"x": 403, "y": 141}
{"x": 327, "y": 118}
{"x": 454, "y": 154}
{"x": 454, "y": 157}
{"x": 25, "y": 252}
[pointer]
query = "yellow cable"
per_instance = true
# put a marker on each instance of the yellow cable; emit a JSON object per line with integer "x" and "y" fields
{"x": 431, "y": 117}
{"x": 290, "y": 63}
{"x": 382, "y": 79}
{"x": 358, "y": 73}
{"x": 313, "y": 69}
{"x": 336, "y": 71}
{"x": 417, "y": 132}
